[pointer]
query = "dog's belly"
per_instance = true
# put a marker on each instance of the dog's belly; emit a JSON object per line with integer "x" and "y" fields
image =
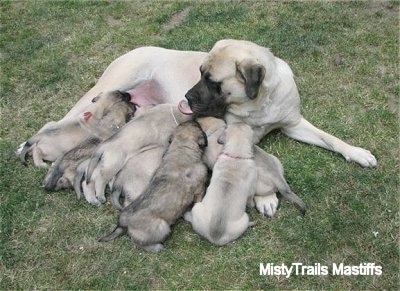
{"x": 148, "y": 71}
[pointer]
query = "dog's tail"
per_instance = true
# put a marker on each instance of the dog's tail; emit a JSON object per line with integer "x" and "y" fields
{"x": 118, "y": 231}
{"x": 288, "y": 194}
{"x": 94, "y": 161}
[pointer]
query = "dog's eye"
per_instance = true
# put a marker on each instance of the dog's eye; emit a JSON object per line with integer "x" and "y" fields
{"x": 95, "y": 99}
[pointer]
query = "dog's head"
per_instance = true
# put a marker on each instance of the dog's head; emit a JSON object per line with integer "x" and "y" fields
{"x": 233, "y": 73}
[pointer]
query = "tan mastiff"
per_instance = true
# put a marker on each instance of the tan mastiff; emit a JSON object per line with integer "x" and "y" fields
{"x": 239, "y": 77}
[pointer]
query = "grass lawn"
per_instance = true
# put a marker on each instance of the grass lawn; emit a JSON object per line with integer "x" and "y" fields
{"x": 345, "y": 58}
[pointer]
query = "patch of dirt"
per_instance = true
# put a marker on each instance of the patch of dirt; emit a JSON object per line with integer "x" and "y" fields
{"x": 176, "y": 19}
{"x": 111, "y": 21}
{"x": 381, "y": 7}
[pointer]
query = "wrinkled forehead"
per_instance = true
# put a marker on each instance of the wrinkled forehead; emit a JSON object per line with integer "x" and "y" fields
{"x": 222, "y": 62}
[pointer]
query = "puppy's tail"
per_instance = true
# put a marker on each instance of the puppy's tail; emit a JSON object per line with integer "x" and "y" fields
{"x": 288, "y": 194}
{"x": 118, "y": 231}
{"x": 94, "y": 161}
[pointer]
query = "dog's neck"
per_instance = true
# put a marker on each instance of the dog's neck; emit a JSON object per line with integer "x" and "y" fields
{"x": 234, "y": 156}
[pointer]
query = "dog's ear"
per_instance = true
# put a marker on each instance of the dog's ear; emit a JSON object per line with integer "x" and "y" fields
{"x": 202, "y": 141}
{"x": 252, "y": 75}
{"x": 221, "y": 139}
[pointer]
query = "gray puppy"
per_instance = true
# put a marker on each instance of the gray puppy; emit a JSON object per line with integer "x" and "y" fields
{"x": 178, "y": 182}
{"x": 135, "y": 176}
{"x": 151, "y": 127}
{"x": 62, "y": 172}
{"x": 221, "y": 216}
{"x": 106, "y": 114}
{"x": 270, "y": 170}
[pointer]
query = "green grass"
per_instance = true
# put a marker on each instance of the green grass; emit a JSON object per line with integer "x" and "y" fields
{"x": 53, "y": 52}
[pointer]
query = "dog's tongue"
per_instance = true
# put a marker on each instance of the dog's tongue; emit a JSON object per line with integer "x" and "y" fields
{"x": 184, "y": 107}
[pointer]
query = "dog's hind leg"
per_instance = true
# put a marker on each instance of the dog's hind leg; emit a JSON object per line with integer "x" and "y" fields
{"x": 37, "y": 155}
{"x": 79, "y": 177}
{"x": 151, "y": 235}
{"x": 100, "y": 188}
{"x": 156, "y": 248}
{"x": 115, "y": 197}
{"x": 89, "y": 193}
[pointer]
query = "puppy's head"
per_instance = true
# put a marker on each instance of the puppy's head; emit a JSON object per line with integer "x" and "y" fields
{"x": 116, "y": 103}
{"x": 232, "y": 74}
{"x": 189, "y": 134}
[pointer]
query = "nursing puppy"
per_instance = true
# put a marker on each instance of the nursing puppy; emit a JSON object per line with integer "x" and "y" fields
{"x": 150, "y": 128}
{"x": 178, "y": 182}
{"x": 61, "y": 174}
{"x": 269, "y": 169}
{"x": 106, "y": 114}
{"x": 221, "y": 217}
{"x": 135, "y": 176}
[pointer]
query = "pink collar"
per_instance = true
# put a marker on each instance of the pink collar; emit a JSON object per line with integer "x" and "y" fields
{"x": 233, "y": 156}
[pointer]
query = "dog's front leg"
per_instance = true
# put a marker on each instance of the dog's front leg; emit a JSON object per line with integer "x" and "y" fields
{"x": 304, "y": 131}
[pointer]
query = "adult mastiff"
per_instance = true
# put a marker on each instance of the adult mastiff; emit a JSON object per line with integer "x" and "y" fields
{"x": 236, "y": 77}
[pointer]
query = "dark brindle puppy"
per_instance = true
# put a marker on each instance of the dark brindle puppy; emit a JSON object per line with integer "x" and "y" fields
{"x": 177, "y": 183}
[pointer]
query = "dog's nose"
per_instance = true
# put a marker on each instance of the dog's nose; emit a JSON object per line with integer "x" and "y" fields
{"x": 190, "y": 97}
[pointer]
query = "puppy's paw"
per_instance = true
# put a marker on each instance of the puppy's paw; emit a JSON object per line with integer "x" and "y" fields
{"x": 361, "y": 156}
{"x": 41, "y": 164}
{"x": 188, "y": 216}
{"x": 267, "y": 205}
{"x": 156, "y": 248}
{"x": 88, "y": 192}
{"x": 101, "y": 198}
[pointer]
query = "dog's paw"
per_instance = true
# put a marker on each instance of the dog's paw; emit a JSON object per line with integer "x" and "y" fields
{"x": 188, "y": 216}
{"x": 361, "y": 156}
{"x": 101, "y": 198}
{"x": 267, "y": 205}
{"x": 88, "y": 192}
{"x": 156, "y": 248}
{"x": 19, "y": 149}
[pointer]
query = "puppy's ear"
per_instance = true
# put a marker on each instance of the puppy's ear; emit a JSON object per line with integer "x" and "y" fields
{"x": 202, "y": 141}
{"x": 221, "y": 139}
{"x": 252, "y": 75}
